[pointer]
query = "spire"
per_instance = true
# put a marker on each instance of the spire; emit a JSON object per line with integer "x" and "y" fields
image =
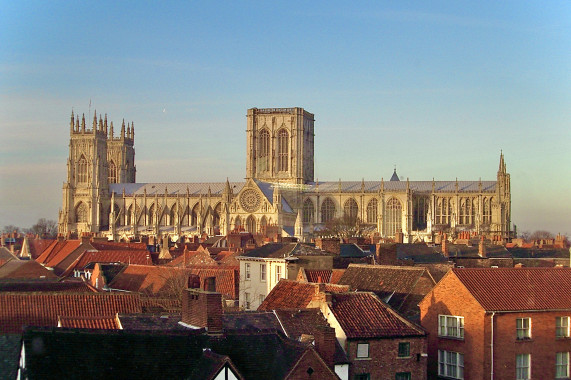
{"x": 123, "y": 129}
{"x": 77, "y": 123}
{"x": 395, "y": 177}
{"x": 111, "y": 131}
{"x": 72, "y": 122}
{"x": 132, "y": 130}
{"x": 94, "y": 121}
{"x": 83, "y": 123}
{"x": 502, "y": 168}
{"x": 105, "y": 124}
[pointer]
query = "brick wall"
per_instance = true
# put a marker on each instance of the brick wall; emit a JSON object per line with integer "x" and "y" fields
{"x": 311, "y": 366}
{"x": 202, "y": 309}
{"x": 384, "y": 362}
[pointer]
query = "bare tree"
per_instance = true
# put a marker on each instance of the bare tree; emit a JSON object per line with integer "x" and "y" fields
{"x": 10, "y": 228}
{"x": 46, "y": 228}
{"x": 541, "y": 234}
{"x": 343, "y": 227}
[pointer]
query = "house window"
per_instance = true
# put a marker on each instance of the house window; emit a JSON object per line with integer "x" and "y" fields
{"x": 363, "y": 376}
{"x": 362, "y": 350}
{"x": 451, "y": 326}
{"x": 404, "y": 349}
{"x": 278, "y": 273}
{"x": 247, "y": 300}
{"x": 262, "y": 272}
{"x": 522, "y": 366}
{"x": 562, "y": 365}
{"x": 402, "y": 376}
{"x": 450, "y": 364}
{"x": 562, "y": 327}
{"x": 248, "y": 274}
{"x": 523, "y": 328}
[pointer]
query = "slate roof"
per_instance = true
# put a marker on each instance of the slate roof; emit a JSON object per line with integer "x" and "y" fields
{"x": 395, "y": 283}
{"x": 352, "y": 250}
{"x": 10, "y": 347}
{"x": 284, "y": 250}
{"x": 140, "y": 257}
{"x": 151, "y": 322}
{"x": 400, "y": 186}
{"x": 122, "y": 354}
{"x": 25, "y": 269}
{"x": 256, "y": 321}
{"x": 363, "y": 315}
{"x": 513, "y": 289}
{"x": 43, "y": 308}
{"x": 289, "y": 294}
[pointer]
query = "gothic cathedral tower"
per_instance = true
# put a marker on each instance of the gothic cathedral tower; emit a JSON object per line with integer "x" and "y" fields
{"x": 280, "y": 145}
{"x": 96, "y": 159}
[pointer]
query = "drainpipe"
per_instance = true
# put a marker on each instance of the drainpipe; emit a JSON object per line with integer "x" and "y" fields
{"x": 492, "y": 346}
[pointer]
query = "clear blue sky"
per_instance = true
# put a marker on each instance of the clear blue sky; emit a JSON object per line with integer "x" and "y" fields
{"x": 437, "y": 88}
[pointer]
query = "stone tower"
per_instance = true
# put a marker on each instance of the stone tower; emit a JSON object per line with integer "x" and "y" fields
{"x": 280, "y": 145}
{"x": 501, "y": 206}
{"x": 96, "y": 159}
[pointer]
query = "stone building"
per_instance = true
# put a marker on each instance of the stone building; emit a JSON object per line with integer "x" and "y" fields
{"x": 280, "y": 192}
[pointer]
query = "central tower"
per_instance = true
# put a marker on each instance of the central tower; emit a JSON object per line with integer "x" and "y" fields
{"x": 280, "y": 145}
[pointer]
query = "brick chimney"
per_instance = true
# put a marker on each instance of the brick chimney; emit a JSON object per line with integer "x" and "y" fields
{"x": 445, "y": 252}
{"x": 325, "y": 344}
{"x": 482, "y": 248}
{"x": 201, "y": 308}
{"x": 386, "y": 254}
{"x": 399, "y": 237}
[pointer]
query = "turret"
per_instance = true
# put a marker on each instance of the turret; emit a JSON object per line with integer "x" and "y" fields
{"x": 123, "y": 130}
{"x": 83, "y": 123}
{"x": 71, "y": 123}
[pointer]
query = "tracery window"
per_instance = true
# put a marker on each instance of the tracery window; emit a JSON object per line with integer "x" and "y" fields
{"x": 465, "y": 209}
{"x": 264, "y": 150}
{"x": 393, "y": 217}
{"x": 327, "y": 210}
{"x": 173, "y": 216}
{"x": 420, "y": 207}
{"x": 350, "y": 209}
{"x": 151, "y": 215}
{"x": 82, "y": 170}
{"x": 81, "y": 213}
{"x": 263, "y": 224}
{"x": 129, "y": 216}
{"x": 443, "y": 211}
{"x": 216, "y": 214}
{"x": 372, "y": 208}
{"x": 251, "y": 224}
{"x": 308, "y": 211}
{"x": 237, "y": 223}
{"x": 112, "y": 175}
{"x": 487, "y": 210}
{"x": 283, "y": 150}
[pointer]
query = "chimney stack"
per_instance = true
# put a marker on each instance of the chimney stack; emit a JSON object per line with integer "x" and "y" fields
{"x": 445, "y": 246}
{"x": 202, "y": 309}
{"x": 482, "y": 248}
{"x": 325, "y": 344}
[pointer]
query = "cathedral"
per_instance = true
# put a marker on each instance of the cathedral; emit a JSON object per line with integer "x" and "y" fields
{"x": 102, "y": 197}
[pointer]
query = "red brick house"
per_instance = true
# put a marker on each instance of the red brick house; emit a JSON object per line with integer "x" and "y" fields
{"x": 499, "y": 323}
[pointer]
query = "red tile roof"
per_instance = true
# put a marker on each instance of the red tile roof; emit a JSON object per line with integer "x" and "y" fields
{"x": 118, "y": 246}
{"x": 43, "y": 309}
{"x": 336, "y": 275}
{"x": 512, "y": 289}
{"x": 57, "y": 252}
{"x": 289, "y": 294}
{"x": 364, "y": 315}
{"x": 100, "y": 323}
{"x": 318, "y": 275}
{"x": 140, "y": 257}
{"x": 37, "y": 246}
{"x": 163, "y": 280}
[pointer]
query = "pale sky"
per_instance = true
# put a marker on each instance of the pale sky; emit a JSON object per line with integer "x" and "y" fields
{"x": 435, "y": 88}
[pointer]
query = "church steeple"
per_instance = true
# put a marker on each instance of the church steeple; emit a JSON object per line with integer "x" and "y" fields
{"x": 502, "y": 167}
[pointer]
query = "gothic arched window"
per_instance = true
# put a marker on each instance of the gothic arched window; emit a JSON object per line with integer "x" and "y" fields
{"x": 393, "y": 217}
{"x": 216, "y": 214}
{"x": 327, "y": 210}
{"x": 151, "y": 215}
{"x": 81, "y": 213}
{"x": 112, "y": 177}
{"x": 487, "y": 210}
{"x": 237, "y": 224}
{"x": 264, "y": 150}
{"x": 350, "y": 209}
{"x": 308, "y": 211}
{"x": 82, "y": 170}
{"x": 372, "y": 207}
{"x": 251, "y": 224}
{"x": 420, "y": 212}
{"x": 283, "y": 150}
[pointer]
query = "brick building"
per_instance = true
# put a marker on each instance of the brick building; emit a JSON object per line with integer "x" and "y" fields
{"x": 499, "y": 323}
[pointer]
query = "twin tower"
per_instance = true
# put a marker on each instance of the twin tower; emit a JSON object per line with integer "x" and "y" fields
{"x": 97, "y": 158}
